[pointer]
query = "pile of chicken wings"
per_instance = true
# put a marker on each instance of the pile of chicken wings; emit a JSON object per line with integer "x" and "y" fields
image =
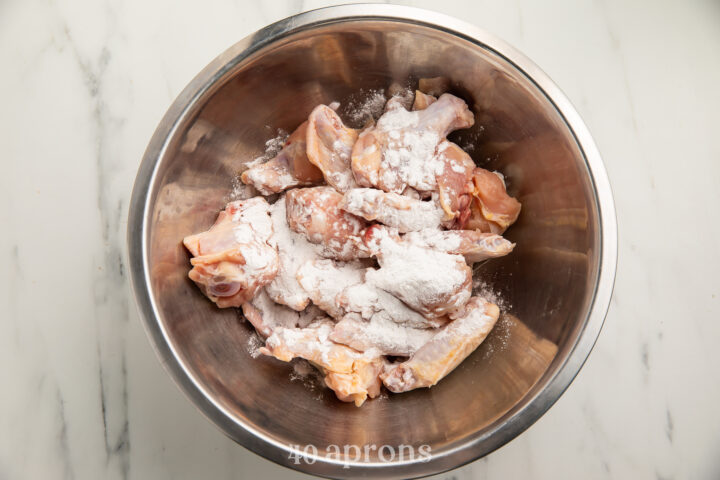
{"x": 362, "y": 263}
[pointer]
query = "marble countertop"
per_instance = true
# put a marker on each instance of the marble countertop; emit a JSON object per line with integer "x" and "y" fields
{"x": 85, "y": 83}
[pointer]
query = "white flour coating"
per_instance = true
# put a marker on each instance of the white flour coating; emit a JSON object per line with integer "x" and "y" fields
{"x": 325, "y": 279}
{"x": 275, "y": 315}
{"x": 253, "y": 230}
{"x": 293, "y": 250}
{"x": 405, "y": 213}
{"x": 381, "y": 333}
{"x": 427, "y": 280}
{"x": 254, "y": 213}
{"x": 455, "y": 166}
{"x": 311, "y": 343}
{"x": 443, "y": 240}
{"x": 409, "y": 153}
{"x": 368, "y": 300}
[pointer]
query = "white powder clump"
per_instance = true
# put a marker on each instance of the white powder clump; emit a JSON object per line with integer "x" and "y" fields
{"x": 443, "y": 240}
{"x": 483, "y": 289}
{"x": 398, "y": 211}
{"x": 369, "y": 300}
{"x": 409, "y": 155}
{"x": 427, "y": 280}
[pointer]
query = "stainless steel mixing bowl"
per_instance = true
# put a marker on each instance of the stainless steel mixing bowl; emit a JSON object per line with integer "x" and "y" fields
{"x": 555, "y": 286}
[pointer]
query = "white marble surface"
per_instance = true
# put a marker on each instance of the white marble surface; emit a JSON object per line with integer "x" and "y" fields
{"x": 83, "y": 85}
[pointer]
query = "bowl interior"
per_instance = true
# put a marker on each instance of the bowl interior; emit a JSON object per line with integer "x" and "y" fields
{"x": 545, "y": 286}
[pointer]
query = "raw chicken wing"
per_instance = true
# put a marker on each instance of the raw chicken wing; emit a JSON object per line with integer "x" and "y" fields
{"x": 398, "y": 152}
{"x": 293, "y": 250}
{"x": 351, "y": 374}
{"x": 444, "y": 351}
{"x": 455, "y": 181}
{"x": 234, "y": 258}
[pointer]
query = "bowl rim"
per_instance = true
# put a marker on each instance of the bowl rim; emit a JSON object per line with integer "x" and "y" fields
{"x": 531, "y": 407}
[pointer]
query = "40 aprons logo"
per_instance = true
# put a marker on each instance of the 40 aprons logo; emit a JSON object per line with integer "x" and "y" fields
{"x": 355, "y": 453}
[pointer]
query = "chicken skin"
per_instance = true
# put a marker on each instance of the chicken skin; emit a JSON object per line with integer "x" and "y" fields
{"x": 316, "y": 213}
{"x": 329, "y": 147}
{"x": 234, "y": 258}
{"x": 446, "y": 350}
{"x": 493, "y": 210}
{"x": 422, "y": 100}
{"x": 455, "y": 182}
{"x": 290, "y": 168}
